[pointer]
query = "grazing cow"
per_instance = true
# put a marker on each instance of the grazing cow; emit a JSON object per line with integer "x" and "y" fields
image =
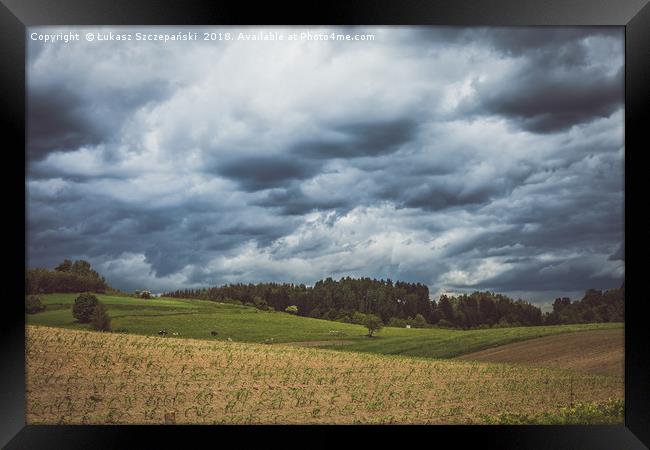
{"x": 213, "y": 333}
{"x": 162, "y": 333}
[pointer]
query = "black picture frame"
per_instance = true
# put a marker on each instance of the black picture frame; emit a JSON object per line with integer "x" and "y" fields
{"x": 634, "y": 15}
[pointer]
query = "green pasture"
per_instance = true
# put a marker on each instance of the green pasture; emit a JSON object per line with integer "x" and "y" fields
{"x": 198, "y": 318}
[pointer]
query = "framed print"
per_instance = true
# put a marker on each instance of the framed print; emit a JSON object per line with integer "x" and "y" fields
{"x": 319, "y": 221}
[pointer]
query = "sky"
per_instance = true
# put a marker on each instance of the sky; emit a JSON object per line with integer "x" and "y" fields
{"x": 462, "y": 158}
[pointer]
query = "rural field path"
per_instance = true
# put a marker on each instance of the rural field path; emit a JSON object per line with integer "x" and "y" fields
{"x": 597, "y": 352}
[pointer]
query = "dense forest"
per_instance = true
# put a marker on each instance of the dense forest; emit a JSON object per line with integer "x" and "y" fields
{"x": 401, "y": 303}
{"x": 77, "y": 276}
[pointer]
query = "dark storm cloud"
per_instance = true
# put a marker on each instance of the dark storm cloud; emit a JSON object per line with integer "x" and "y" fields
{"x": 98, "y": 224}
{"x": 58, "y": 122}
{"x": 561, "y": 275}
{"x": 521, "y": 41}
{"x": 401, "y": 158}
{"x": 96, "y": 227}
{"x": 514, "y": 41}
{"x": 434, "y": 199}
{"x": 619, "y": 254}
{"x": 264, "y": 172}
{"x": 438, "y": 184}
{"x": 520, "y": 240}
{"x": 555, "y": 86}
{"x": 543, "y": 217}
{"x": 293, "y": 201}
{"x": 263, "y": 235}
{"x": 544, "y": 102}
{"x": 359, "y": 139}
{"x": 61, "y": 118}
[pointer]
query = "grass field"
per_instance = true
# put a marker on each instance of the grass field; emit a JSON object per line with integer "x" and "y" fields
{"x": 78, "y": 377}
{"x": 197, "y": 318}
{"x": 600, "y": 351}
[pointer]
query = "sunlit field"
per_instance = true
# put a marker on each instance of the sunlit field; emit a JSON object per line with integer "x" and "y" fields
{"x": 77, "y": 377}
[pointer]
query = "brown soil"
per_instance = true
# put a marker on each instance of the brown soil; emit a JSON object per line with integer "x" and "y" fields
{"x": 83, "y": 377}
{"x": 598, "y": 352}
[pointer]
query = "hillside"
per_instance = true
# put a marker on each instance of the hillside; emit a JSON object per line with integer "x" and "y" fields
{"x": 76, "y": 377}
{"x": 199, "y": 318}
{"x": 599, "y": 352}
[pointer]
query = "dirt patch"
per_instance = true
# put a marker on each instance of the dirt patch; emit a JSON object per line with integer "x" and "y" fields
{"x": 599, "y": 352}
{"x": 321, "y": 343}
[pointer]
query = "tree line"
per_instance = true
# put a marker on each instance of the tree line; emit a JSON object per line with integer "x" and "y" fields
{"x": 595, "y": 306}
{"x": 351, "y": 300}
{"x": 68, "y": 276}
{"x": 401, "y": 303}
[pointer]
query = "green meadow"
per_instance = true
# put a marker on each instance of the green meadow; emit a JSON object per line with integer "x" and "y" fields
{"x": 199, "y": 318}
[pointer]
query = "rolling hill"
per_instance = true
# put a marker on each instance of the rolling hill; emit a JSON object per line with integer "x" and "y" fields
{"x": 597, "y": 351}
{"x": 199, "y": 318}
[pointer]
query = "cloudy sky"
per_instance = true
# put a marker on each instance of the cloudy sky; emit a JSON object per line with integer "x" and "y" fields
{"x": 460, "y": 158}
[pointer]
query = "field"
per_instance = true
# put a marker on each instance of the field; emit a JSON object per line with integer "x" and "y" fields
{"x": 76, "y": 376}
{"x": 274, "y": 367}
{"x": 197, "y": 318}
{"x": 599, "y": 351}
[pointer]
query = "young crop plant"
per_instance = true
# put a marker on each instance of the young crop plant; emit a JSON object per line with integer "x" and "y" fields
{"x": 86, "y": 377}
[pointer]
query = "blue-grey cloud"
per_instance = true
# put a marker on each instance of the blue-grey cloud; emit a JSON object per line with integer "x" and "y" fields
{"x": 463, "y": 158}
{"x": 360, "y": 139}
{"x": 293, "y": 201}
{"x": 556, "y": 85}
{"x": 264, "y": 172}
{"x": 61, "y": 118}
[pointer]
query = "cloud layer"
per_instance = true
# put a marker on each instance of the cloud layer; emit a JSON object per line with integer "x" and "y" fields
{"x": 461, "y": 158}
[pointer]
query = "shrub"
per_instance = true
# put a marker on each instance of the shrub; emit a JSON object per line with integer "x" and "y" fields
{"x": 372, "y": 323}
{"x": 100, "y": 320}
{"x": 260, "y": 303}
{"x": 83, "y": 307}
{"x": 396, "y": 322}
{"x": 231, "y": 301}
{"x": 33, "y": 304}
{"x": 358, "y": 318}
{"x": 419, "y": 321}
{"x": 444, "y": 323}
{"x": 293, "y": 309}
